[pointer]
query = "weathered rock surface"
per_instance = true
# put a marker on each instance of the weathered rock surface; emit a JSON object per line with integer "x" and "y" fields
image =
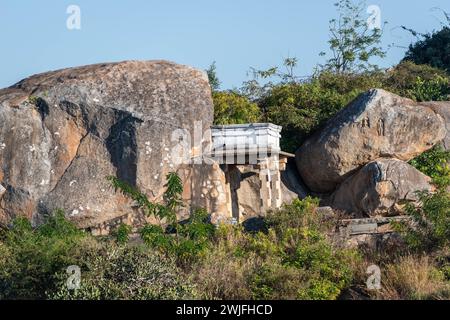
{"x": 62, "y": 133}
{"x": 377, "y": 124}
{"x": 245, "y": 188}
{"x": 380, "y": 187}
{"x": 442, "y": 109}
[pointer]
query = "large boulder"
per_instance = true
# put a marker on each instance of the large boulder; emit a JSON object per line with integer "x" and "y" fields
{"x": 62, "y": 133}
{"x": 442, "y": 108}
{"x": 377, "y": 124}
{"x": 380, "y": 188}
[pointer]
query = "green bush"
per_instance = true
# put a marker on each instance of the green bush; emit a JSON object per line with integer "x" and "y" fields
{"x": 433, "y": 49}
{"x": 417, "y": 82}
{"x": 430, "y": 227}
{"x": 302, "y": 108}
{"x": 325, "y": 270}
{"x": 232, "y": 108}
{"x": 437, "y": 89}
{"x": 122, "y": 234}
{"x": 33, "y": 264}
{"x": 30, "y": 257}
{"x": 189, "y": 242}
{"x": 435, "y": 164}
{"x": 110, "y": 272}
{"x": 291, "y": 259}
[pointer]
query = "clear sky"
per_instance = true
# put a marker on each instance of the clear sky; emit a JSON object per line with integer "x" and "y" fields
{"x": 238, "y": 34}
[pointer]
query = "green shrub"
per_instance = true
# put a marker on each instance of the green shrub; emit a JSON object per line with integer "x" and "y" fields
{"x": 232, "y": 108}
{"x": 32, "y": 256}
{"x": 275, "y": 281}
{"x": 111, "y": 272}
{"x": 189, "y": 242}
{"x": 417, "y": 82}
{"x": 430, "y": 230}
{"x": 155, "y": 236}
{"x": 303, "y": 244}
{"x": 433, "y": 49}
{"x": 437, "y": 89}
{"x": 122, "y": 234}
{"x": 435, "y": 164}
{"x": 302, "y": 108}
{"x": 292, "y": 259}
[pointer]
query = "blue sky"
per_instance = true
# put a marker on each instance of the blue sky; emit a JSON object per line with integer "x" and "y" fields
{"x": 238, "y": 34}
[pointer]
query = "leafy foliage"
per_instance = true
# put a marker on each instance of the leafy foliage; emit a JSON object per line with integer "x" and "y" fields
{"x": 291, "y": 259}
{"x": 417, "y": 82}
{"x": 214, "y": 81}
{"x": 110, "y": 272}
{"x": 192, "y": 239}
{"x": 300, "y": 237}
{"x": 172, "y": 197}
{"x": 437, "y": 89}
{"x": 233, "y": 108}
{"x": 430, "y": 230}
{"x": 435, "y": 164}
{"x": 433, "y": 49}
{"x": 123, "y": 233}
{"x": 30, "y": 257}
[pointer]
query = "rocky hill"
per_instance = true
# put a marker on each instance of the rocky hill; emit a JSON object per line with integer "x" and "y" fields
{"x": 63, "y": 132}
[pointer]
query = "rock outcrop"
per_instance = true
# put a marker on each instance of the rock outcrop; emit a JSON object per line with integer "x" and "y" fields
{"x": 378, "y": 124}
{"x": 442, "y": 108}
{"x": 380, "y": 188}
{"x": 62, "y": 133}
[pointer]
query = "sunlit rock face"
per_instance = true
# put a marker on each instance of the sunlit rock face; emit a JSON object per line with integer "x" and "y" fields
{"x": 378, "y": 124}
{"x": 63, "y": 132}
{"x": 380, "y": 188}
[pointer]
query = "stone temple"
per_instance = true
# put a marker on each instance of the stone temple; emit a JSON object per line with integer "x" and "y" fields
{"x": 250, "y": 149}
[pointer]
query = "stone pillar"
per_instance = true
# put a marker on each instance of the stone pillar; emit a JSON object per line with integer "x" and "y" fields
{"x": 266, "y": 190}
{"x": 276, "y": 186}
{"x": 231, "y": 197}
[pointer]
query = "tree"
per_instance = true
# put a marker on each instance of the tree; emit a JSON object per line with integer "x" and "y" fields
{"x": 255, "y": 91}
{"x": 433, "y": 49}
{"x": 233, "y": 108}
{"x": 353, "y": 41}
{"x": 212, "y": 77}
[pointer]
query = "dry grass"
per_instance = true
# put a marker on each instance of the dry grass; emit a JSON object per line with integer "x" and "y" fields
{"x": 224, "y": 276}
{"x": 413, "y": 278}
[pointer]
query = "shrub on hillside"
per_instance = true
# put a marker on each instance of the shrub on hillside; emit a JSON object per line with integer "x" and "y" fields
{"x": 232, "y": 108}
{"x": 189, "y": 242}
{"x": 122, "y": 233}
{"x": 437, "y": 89}
{"x": 33, "y": 264}
{"x": 430, "y": 228}
{"x": 417, "y": 82}
{"x": 126, "y": 273}
{"x": 302, "y": 108}
{"x": 435, "y": 163}
{"x": 30, "y": 257}
{"x": 292, "y": 259}
{"x": 433, "y": 49}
